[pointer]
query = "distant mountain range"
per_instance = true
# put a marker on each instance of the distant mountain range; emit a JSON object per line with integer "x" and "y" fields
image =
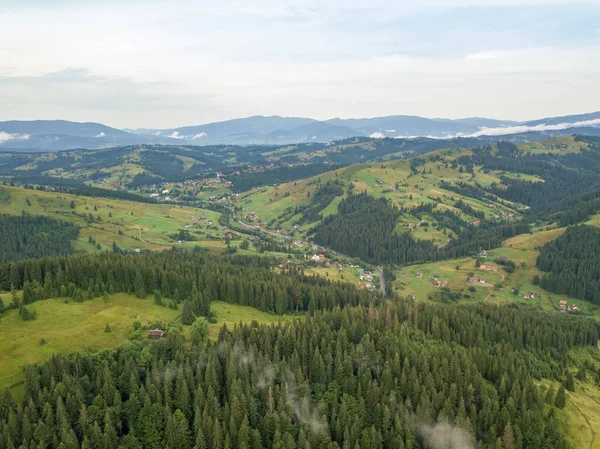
{"x": 56, "y": 135}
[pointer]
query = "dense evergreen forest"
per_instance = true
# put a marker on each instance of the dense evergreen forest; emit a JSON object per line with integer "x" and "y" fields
{"x": 397, "y": 375}
{"x": 365, "y": 227}
{"x": 191, "y": 278}
{"x": 31, "y": 236}
{"x": 247, "y": 180}
{"x": 571, "y": 263}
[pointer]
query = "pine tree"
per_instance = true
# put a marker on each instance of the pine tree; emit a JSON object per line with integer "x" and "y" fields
{"x": 187, "y": 314}
{"x": 139, "y": 286}
{"x": 570, "y": 382}
{"x": 561, "y": 397}
{"x": 177, "y": 434}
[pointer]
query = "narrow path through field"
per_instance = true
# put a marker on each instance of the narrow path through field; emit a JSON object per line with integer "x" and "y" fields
{"x": 493, "y": 270}
{"x": 588, "y": 423}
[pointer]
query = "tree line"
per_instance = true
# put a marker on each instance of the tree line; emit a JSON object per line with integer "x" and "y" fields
{"x": 182, "y": 276}
{"x": 28, "y": 236}
{"x": 397, "y": 375}
{"x": 571, "y": 263}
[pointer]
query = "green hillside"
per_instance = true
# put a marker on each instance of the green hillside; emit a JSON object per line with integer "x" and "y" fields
{"x": 131, "y": 225}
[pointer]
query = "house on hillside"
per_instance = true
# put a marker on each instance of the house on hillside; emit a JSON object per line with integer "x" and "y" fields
{"x": 156, "y": 334}
{"x": 476, "y": 280}
{"x": 483, "y": 253}
{"x": 475, "y": 221}
{"x": 563, "y": 305}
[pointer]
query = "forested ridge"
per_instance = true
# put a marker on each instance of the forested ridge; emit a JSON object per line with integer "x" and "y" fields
{"x": 365, "y": 227}
{"x": 249, "y": 179}
{"x": 399, "y": 375}
{"x": 571, "y": 263}
{"x": 30, "y": 236}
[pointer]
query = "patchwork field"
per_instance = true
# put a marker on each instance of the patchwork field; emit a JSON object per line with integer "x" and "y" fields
{"x": 521, "y": 249}
{"x": 131, "y": 225}
{"x": 274, "y": 206}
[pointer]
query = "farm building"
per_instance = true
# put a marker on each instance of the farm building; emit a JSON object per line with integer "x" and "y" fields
{"x": 156, "y": 334}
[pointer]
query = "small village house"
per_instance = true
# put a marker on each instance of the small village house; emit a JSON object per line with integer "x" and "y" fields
{"x": 156, "y": 334}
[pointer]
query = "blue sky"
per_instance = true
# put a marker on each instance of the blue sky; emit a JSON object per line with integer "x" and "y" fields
{"x": 160, "y": 64}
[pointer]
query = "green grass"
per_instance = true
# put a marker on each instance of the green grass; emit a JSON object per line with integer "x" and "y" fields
{"x": 521, "y": 249}
{"x": 143, "y": 226}
{"x": 76, "y": 326}
{"x": 580, "y": 419}
{"x": 232, "y": 314}
{"x": 69, "y": 327}
{"x": 407, "y": 282}
{"x": 558, "y": 145}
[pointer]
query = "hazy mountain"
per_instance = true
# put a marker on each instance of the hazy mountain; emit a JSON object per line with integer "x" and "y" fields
{"x": 479, "y": 122}
{"x": 241, "y": 130}
{"x": 56, "y": 135}
{"x": 565, "y": 119}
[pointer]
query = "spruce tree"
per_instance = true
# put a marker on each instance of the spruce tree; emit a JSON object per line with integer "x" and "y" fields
{"x": 187, "y": 315}
{"x": 561, "y": 397}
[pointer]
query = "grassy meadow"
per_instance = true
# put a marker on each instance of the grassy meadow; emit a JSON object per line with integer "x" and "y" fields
{"x": 69, "y": 327}
{"x": 131, "y": 225}
{"x": 75, "y": 326}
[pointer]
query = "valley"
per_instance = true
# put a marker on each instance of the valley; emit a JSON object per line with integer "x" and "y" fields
{"x": 451, "y": 230}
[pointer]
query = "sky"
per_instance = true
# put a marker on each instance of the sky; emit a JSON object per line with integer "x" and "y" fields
{"x": 168, "y": 63}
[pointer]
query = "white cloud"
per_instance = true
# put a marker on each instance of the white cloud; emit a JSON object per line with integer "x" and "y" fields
{"x": 199, "y": 135}
{"x": 524, "y": 128}
{"x": 390, "y": 130}
{"x": 176, "y": 135}
{"x": 377, "y": 135}
{"x": 101, "y": 135}
{"x": 5, "y": 137}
